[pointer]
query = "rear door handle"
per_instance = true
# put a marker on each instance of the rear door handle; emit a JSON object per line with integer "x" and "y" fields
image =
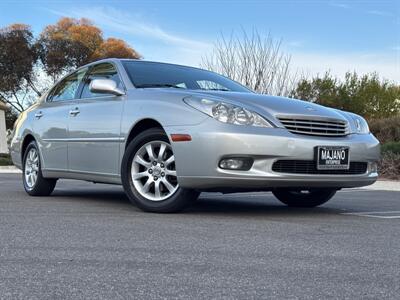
{"x": 38, "y": 115}
{"x": 74, "y": 112}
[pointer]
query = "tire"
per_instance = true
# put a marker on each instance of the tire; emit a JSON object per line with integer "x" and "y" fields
{"x": 34, "y": 182}
{"x": 304, "y": 198}
{"x": 155, "y": 187}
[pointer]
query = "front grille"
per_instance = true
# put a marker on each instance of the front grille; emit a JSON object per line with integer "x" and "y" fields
{"x": 310, "y": 167}
{"x": 326, "y": 127}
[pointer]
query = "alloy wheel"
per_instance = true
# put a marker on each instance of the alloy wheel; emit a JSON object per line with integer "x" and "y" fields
{"x": 153, "y": 171}
{"x": 31, "y": 168}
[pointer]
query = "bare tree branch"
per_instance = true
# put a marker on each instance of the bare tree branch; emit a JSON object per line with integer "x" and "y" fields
{"x": 254, "y": 60}
{"x": 32, "y": 85}
{"x": 15, "y": 104}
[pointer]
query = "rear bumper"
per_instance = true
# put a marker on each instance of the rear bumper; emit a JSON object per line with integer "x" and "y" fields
{"x": 197, "y": 161}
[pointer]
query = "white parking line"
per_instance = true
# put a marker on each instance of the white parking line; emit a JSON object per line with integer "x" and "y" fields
{"x": 376, "y": 214}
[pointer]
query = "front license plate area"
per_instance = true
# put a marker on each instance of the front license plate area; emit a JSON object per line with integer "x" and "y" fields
{"x": 333, "y": 158}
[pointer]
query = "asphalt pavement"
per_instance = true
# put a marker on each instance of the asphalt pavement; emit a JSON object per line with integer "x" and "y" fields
{"x": 87, "y": 241}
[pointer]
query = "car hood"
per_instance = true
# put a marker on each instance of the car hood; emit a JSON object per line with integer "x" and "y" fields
{"x": 273, "y": 107}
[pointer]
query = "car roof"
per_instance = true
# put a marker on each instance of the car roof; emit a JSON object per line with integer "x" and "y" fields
{"x": 135, "y": 60}
{"x": 118, "y": 61}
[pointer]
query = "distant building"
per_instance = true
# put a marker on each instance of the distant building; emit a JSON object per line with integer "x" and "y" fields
{"x": 3, "y": 134}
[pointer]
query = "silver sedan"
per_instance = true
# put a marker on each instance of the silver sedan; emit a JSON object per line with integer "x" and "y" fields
{"x": 167, "y": 132}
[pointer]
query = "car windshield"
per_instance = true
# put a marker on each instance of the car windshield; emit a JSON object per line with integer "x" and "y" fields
{"x": 153, "y": 75}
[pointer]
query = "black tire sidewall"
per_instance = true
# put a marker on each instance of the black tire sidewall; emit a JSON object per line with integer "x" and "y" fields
{"x": 43, "y": 186}
{"x": 176, "y": 202}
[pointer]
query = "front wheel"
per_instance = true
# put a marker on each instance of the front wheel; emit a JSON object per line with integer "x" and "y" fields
{"x": 34, "y": 182}
{"x": 149, "y": 177}
{"x": 304, "y": 197}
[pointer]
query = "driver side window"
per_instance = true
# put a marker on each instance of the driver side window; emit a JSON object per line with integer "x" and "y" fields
{"x": 100, "y": 71}
{"x": 67, "y": 89}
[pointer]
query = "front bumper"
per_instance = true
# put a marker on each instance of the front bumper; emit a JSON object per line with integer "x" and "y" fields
{"x": 197, "y": 161}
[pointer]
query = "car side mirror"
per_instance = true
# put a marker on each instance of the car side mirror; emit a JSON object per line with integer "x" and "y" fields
{"x": 105, "y": 86}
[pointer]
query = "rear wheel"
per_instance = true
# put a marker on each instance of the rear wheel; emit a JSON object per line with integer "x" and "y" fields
{"x": 304, "y": 197}
{"x": 149, "y": 174}
{"x": 34, "y": 183}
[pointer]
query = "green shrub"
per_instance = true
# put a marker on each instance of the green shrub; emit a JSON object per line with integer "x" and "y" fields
{"x": 366, "y": 95}
{"x": 393, "y": 147}
{"x": 5, "y": 160}
{"x": 386, "y": 130}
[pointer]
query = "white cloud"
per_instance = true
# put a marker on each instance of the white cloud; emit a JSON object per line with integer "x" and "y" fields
{"x": 295, "y": 44}
{"x": 380, "y": 13}
{"x": 158, "y": 44}
{"x": 128, "y": 24}
{"x": 339, "y": 4}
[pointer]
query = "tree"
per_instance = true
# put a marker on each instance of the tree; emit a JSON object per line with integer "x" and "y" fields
{"x": 253, "y": 60}
{"x": 18, "y": 56}
{"x": 114, "y": 48}
{"x": 366, "y": 95}
{"x": 71, "y": 43}
{"x": 11, "y": 117}
{"x": 67, "y": 44}
{"x": 29, "y": 65}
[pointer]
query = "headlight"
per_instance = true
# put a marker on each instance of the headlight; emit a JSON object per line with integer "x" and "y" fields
{"x": 360, "y": 124}
{"x": 227, "y": 113}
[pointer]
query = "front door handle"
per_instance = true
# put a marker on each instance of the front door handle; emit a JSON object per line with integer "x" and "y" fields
{"x": 38, "y": 115}
{"x": 74, "y": 112}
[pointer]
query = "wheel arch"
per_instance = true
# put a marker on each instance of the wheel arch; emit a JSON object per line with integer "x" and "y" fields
{"x": 26, "y": 141}
{"x": 141, "y": 126}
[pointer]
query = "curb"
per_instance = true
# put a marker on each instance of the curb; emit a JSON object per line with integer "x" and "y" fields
{"x": 9, "y": 170}
{"x": 384, "y": 185}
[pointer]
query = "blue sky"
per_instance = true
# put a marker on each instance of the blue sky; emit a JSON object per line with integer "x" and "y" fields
{"x": 319, "y": 35}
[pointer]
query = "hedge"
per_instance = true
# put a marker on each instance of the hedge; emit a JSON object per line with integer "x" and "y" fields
{"x": 386, "y": 130}
{"x": 5, "y": 160}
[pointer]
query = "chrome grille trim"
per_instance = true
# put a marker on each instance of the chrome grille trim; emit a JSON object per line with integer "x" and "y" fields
{"x": 318, "y": 127}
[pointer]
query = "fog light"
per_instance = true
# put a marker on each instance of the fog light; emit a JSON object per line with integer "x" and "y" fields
{"x": 236, "y": 163}
{"x": 373, "y": 167}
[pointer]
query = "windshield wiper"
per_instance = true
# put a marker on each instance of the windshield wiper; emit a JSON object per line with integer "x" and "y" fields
{"x": 151, "y": 85}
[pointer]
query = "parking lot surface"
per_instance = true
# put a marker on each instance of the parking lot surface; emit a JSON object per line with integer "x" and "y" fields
{"x": 87, "y": 241}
